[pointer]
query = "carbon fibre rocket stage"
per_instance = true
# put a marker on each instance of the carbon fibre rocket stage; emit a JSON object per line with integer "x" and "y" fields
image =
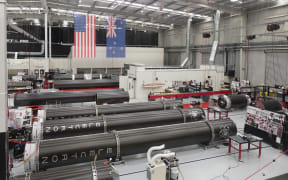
{"x": 233, "y": 101}
{"x": 70, "y": 112}
{"x": 78, "y": 84}
{"x": 51, "y": 153}
{"x": 99, "y": 124}
{"x": 99, "y": 96}
{"x": 79, "y": 76}
{"x": 98, "y": 170}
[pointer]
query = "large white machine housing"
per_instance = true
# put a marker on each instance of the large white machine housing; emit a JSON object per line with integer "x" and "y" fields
{"x": 141, "y": 80}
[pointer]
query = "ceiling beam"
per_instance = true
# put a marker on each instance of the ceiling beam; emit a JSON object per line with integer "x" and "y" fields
{"x": 58, "y": 19}
{"x": 23, "y": 4}
{"x": 74, "y": 7}
{"x": 139, "y": 9}
{"x": 169, "y": 4}
{"x": 107, "y": 11}
{"x": 214, "y": 6}
{"x": 93, "y": 5}
{"x": 125, "y": 7}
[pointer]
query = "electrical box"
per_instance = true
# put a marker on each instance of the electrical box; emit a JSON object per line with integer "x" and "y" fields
{"x": 157, "y": 171}
{"x": 270, "y": 126}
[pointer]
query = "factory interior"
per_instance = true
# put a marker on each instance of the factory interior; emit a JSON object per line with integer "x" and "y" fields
{"x": 143, "y": 89}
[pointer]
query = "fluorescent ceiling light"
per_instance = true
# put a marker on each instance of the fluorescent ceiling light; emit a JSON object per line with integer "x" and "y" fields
{"x": 105, "y": 17}
{"x": 153, "y": 8}
{"x": 71, "y": 14}
{"x": 65, "y": 23}
{"x": 236, "y": 1}
{"x": 36, "y": 21}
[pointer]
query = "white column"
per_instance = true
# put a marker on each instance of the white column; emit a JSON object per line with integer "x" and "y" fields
{"x": 243, "y": 34}
{"x": 46, "y": 34}
{"x": 50, "y": 41}
{"x": 3, "y": 94}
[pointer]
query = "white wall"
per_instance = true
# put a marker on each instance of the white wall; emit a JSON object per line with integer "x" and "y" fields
{"x": 256, "y": 67}
{"x": 30, "y": 64}
{"x": 141, "y": 55}
{"x": 233, "y": 31}
{"x": 258, "y": 20}
{"x": 167, "y": 76}
{"x": 147, "y": 56}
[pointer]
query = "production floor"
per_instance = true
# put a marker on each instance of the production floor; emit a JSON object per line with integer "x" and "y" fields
{"x": 214, "y": 163}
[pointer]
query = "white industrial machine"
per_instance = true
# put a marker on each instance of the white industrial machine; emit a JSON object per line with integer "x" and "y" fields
{"x": 141, "y": 80}
{"x": 162, "y": 166}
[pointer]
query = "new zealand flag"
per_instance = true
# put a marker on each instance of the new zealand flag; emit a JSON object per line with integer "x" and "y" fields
{"x": 115, "y": 37}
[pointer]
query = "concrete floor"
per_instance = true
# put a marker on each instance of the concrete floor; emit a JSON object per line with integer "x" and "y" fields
{"x": 214, "y": 163}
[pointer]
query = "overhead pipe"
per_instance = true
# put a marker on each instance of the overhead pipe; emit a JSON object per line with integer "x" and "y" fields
{"x": 216, "y": 37}
{"x": 238, "y": 45}
{"x": 52, "y": 153}
{"x": 30, "y": 53}
{"x": 188, "y": 29}
{"x": 22, "y": 31}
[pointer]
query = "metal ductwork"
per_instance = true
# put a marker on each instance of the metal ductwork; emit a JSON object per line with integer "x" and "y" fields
{"x": 71, "y": 150}
{"x": 22, "y": 31}
{"x": 216, "y": 37}
{"x": 92, "y": 125}
{"x": 186, "y": 60}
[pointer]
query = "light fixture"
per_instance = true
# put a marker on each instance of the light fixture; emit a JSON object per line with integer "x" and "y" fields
{"x": 236, "y": 1}
{"x": 153, "y": 8}
{"x": 70, "y": 13}
{"x": 65, "y": 23}
{"x": 36, "y": 21}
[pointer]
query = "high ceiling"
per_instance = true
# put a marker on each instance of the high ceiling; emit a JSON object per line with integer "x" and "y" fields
{"x": 154, "y": 13}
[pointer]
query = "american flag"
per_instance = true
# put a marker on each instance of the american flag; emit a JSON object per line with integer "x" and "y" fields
{"x": 84, "y": 36}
